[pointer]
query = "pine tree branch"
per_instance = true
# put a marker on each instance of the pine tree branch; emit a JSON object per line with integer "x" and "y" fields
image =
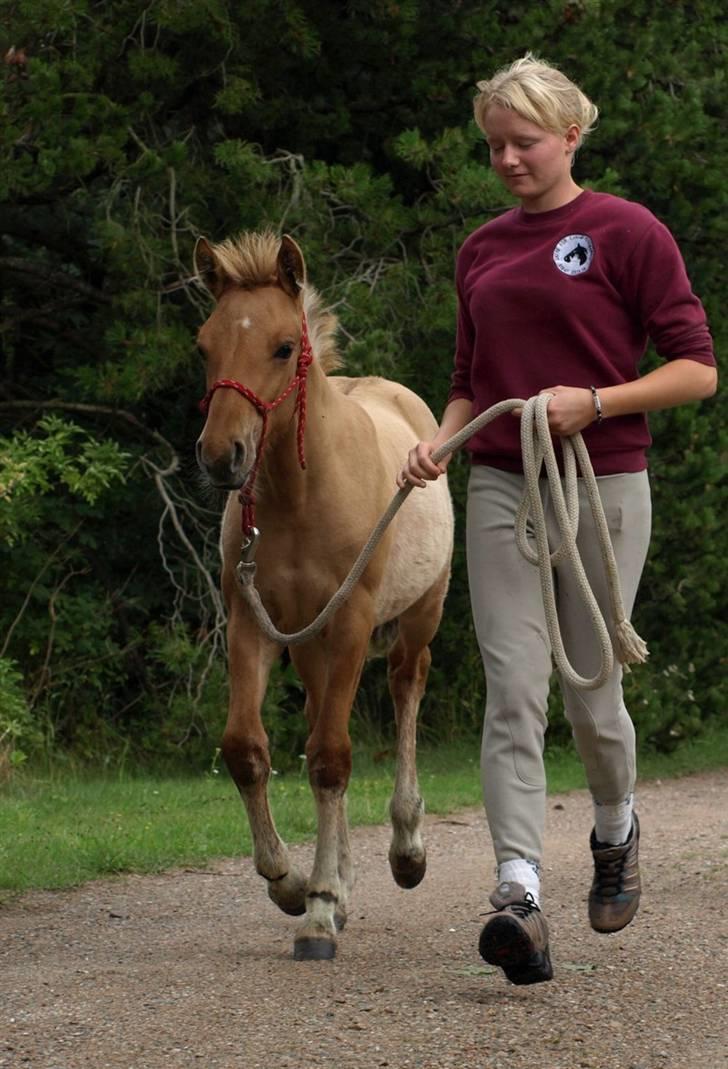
{"x": 52, "y": 275}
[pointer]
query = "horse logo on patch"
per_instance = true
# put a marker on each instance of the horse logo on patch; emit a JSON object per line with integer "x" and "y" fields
{"x": 573, "y": 254}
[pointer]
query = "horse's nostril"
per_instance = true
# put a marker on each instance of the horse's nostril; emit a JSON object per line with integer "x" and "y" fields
{"x": 224, "y": 464}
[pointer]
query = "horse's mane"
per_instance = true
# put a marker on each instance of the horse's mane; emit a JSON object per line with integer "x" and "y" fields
{"x": 249, "y": 260}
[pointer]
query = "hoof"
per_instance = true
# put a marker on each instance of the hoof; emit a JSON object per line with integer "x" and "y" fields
{"x": 308, "y": 948}
{"x": 408, "y": 871}
{"x": 289, "y": 894}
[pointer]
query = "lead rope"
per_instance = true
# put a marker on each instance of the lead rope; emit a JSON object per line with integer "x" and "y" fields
{"x": 537, "y": 448}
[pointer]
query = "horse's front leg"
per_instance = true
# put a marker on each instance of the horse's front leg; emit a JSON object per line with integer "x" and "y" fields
{"x": 345, "y": 863}
{"x": 331, "y": 691}
{"x": 346, "y": 868}
{"x": 246, "y": 754}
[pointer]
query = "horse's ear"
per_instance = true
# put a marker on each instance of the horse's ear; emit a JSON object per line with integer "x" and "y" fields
{"x": 206, "y": 267}
{"x": 291, "y": 267}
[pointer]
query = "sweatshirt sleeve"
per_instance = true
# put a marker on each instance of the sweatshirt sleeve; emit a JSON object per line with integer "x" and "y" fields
{"x": 656, "y": 286}
{"x": 460, "y": 385}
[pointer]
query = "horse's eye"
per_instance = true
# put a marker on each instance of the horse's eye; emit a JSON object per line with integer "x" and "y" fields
{"x": 283, "y": 351}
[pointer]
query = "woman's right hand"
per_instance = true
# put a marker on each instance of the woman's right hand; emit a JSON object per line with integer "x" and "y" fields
{"x": 420, "y": 466}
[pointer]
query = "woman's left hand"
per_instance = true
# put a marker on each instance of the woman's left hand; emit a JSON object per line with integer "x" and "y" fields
{"x": 570, "y": 410}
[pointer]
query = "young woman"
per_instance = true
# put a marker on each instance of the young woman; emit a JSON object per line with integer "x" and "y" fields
{"x": 558, "y": 295}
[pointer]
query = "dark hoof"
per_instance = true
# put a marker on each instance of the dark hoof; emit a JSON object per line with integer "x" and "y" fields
{"x": 309, "y": 949}
{"x": 407, "y": 872}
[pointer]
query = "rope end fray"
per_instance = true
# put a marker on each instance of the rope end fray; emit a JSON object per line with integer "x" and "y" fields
{"x": 629, "y": 647}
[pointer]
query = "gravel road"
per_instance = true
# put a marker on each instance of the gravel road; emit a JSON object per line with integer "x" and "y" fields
{"x": 193, "y": 969}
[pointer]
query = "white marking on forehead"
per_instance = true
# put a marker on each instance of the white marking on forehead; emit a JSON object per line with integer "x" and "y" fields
{"x": 246, "y": 323}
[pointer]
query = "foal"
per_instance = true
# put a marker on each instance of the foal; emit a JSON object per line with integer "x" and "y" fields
{"x": 316, "y": 497}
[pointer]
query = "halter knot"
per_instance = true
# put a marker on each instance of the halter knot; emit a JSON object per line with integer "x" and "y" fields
{"x": 246, "y": 494}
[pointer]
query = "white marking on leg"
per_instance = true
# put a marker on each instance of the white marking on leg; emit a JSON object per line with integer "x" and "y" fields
{"x": 324, "y": 887}
{"x": 319, "y": 917}
{"x": 407, "y": 811}
{"x": 346, "y": 864}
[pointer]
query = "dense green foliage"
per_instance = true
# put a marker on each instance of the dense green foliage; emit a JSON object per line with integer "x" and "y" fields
{"x": 126, "y": 130}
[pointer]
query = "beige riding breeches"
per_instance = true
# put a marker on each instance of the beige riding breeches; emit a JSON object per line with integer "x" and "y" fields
{"x": 510, "y": 625}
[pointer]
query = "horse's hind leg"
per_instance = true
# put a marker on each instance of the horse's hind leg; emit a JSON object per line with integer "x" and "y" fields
{"x": 407, "y": 675}
{"x": 409, "y": 664}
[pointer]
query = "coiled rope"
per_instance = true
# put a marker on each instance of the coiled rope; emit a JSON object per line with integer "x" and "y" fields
{"x": 538, "y": 449}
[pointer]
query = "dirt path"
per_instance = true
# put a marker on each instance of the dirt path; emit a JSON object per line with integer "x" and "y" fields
{"x": 194, "y": 969}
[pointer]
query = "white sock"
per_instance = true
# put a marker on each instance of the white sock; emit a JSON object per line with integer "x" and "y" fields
{"x": 519, "y": 870}
{"x": 613, "y": 823}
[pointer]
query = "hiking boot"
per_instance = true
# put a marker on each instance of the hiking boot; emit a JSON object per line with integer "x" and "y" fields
{"x": 516, "y": 938}
{"x": 615, "y": 892}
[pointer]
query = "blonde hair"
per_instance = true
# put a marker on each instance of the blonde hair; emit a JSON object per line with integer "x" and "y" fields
{"x": 540, "y": 93}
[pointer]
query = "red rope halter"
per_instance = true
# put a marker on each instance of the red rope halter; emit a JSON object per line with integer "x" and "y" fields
{"x": 246, "y": 494}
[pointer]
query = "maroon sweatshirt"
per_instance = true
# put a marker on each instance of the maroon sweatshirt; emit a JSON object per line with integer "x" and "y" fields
{"x": 570, "y": 297}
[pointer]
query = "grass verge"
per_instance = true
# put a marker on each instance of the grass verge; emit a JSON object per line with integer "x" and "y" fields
{"x": 59, "y": 829}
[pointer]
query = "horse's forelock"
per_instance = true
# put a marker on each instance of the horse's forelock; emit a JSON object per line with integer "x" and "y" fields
{"x": 250, "y": 260}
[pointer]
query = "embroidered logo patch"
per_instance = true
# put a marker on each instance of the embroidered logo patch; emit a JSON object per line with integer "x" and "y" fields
{"x": 573, "y": 254}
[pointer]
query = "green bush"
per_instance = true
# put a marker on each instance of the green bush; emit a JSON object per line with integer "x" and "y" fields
{"x": 18, "y": 732}
{"x": 130, "y": 128}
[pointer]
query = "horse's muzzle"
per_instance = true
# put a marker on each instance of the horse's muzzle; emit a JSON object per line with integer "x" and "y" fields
{"x": 227, "y": 470}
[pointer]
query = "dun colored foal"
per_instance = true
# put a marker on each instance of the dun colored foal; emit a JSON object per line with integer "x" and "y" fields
{"x": 314, "y": 457}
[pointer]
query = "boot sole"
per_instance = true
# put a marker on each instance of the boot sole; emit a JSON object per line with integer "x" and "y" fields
{"x": 504, "y": 943}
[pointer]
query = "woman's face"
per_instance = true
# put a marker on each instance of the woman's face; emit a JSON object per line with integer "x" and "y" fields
{"x": 534, "y": 164}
